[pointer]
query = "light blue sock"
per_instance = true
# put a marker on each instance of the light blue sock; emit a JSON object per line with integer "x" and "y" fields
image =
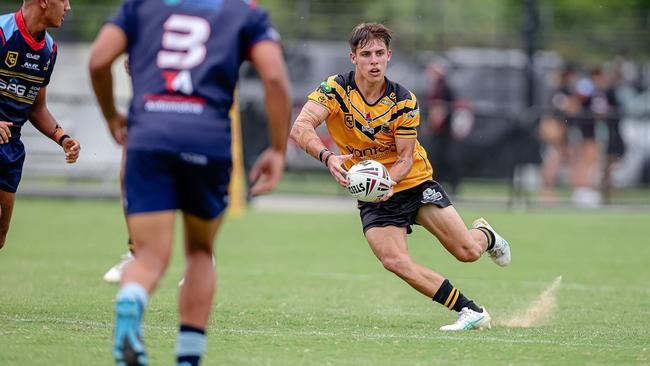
{"x": 190, "y": 345}
{"x": 135, "y": 291}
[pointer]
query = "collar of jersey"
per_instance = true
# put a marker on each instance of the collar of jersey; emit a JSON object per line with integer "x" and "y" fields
{"x": 387, "y": 90}
{"x": 22, "y": 27}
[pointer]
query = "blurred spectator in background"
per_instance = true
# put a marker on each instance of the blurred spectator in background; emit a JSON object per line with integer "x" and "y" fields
{"x": 582, "y": 139}
{"x": 564, "y": 105}
{"x": 442, "y": 149}
{"x": 605, "y": 106}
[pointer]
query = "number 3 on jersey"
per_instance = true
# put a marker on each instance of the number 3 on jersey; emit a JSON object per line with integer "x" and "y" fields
{"x": 183, "y": 42}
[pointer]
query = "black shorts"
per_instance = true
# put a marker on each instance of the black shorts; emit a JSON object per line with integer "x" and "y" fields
{"x": 401, "y": 210}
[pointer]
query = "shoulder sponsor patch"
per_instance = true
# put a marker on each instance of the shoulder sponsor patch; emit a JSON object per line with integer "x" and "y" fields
{"x": 324, "y": 88}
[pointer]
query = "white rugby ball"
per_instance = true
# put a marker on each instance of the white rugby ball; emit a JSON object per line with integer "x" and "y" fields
{"x": 368, "y": 181}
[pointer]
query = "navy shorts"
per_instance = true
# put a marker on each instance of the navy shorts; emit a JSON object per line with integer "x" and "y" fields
{"x": 12, "y": 157}
{"x": 162, "y": 181}
{"x": 401, "y": 209}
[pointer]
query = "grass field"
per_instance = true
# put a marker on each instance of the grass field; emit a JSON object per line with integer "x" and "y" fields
{"x": 303, "y": 289}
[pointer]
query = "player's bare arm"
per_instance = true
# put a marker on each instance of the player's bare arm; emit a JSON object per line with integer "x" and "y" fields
{"x": 109, "y": 45}
{"x": 303, "y": 133}
{"x": 5, "y": 132}
{"x": 404, "y": 162}
{"x": 267, "y": 59}
{"x": 43, "y": 120}
{"x": 402, "y": 165}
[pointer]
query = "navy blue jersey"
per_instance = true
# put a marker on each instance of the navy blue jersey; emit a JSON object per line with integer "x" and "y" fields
{"x": 25, "y": 67}
{"x": 184, "y": 59}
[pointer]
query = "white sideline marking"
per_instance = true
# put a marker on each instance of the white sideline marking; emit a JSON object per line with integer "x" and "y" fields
{"x": 435, "y": 335}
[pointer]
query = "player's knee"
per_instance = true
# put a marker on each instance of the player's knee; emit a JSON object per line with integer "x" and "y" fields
{"x": 397, "y": 264}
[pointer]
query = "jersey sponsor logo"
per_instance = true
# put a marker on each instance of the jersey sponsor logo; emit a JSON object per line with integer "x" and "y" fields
{"x": 430, "y": 195}
{"x": 174, "y": 104}
{"x": 176, "y": 81}
{"x": 349, "y": 120}
{"x": 33, "y": 56}
{"x": 385, "y": 127}
{"x": 324, "y": 88}
{"x": 373, "y": 151}
{"x": 213, "y": 5}
{"x": 31, "y": 66}
{"x": 386, "y": 102}
{"x": 192, "y": 158}
{"x": 367, "y": 117}
{"x": 12, "y": 58}
{"x": 13, "y": 86}
{"x": 367, "y": 129}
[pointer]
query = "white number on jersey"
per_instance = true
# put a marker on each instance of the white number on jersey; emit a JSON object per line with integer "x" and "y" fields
{"x": 183, "y": 42}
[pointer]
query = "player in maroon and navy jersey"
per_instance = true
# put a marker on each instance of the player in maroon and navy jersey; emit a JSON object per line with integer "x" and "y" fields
{"x": 27, "y": 57}
{"x": 184, "y": 59}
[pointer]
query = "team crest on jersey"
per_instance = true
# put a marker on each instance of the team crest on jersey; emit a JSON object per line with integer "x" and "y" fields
{"x": 12, "y": 58}
{"x": 349, "y": 120}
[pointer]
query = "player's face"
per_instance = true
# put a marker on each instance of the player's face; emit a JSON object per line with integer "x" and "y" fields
{"x": 55, "y": 11}
{"x": 371, "y": 60}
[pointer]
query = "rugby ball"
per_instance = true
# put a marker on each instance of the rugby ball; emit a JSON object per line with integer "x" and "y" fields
{"x": 368, "y": 181}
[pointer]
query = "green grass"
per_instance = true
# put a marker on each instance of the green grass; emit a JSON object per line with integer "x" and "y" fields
{"x": 304, "y": 289}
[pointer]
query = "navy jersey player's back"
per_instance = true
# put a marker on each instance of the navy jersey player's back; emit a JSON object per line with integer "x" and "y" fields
{"x": 184, "y": 59}
{"x": 25, "y": 67}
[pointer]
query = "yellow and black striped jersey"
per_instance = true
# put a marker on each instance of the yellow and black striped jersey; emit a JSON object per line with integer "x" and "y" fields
{"x": 368, "y": 131}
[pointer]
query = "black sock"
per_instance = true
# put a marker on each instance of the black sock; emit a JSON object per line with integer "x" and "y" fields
{"x": 489, "y": 235}
{"x": 453, "y": 299}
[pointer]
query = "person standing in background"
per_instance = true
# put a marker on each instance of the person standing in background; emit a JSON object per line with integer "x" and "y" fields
{"x": 442, "y": 148}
